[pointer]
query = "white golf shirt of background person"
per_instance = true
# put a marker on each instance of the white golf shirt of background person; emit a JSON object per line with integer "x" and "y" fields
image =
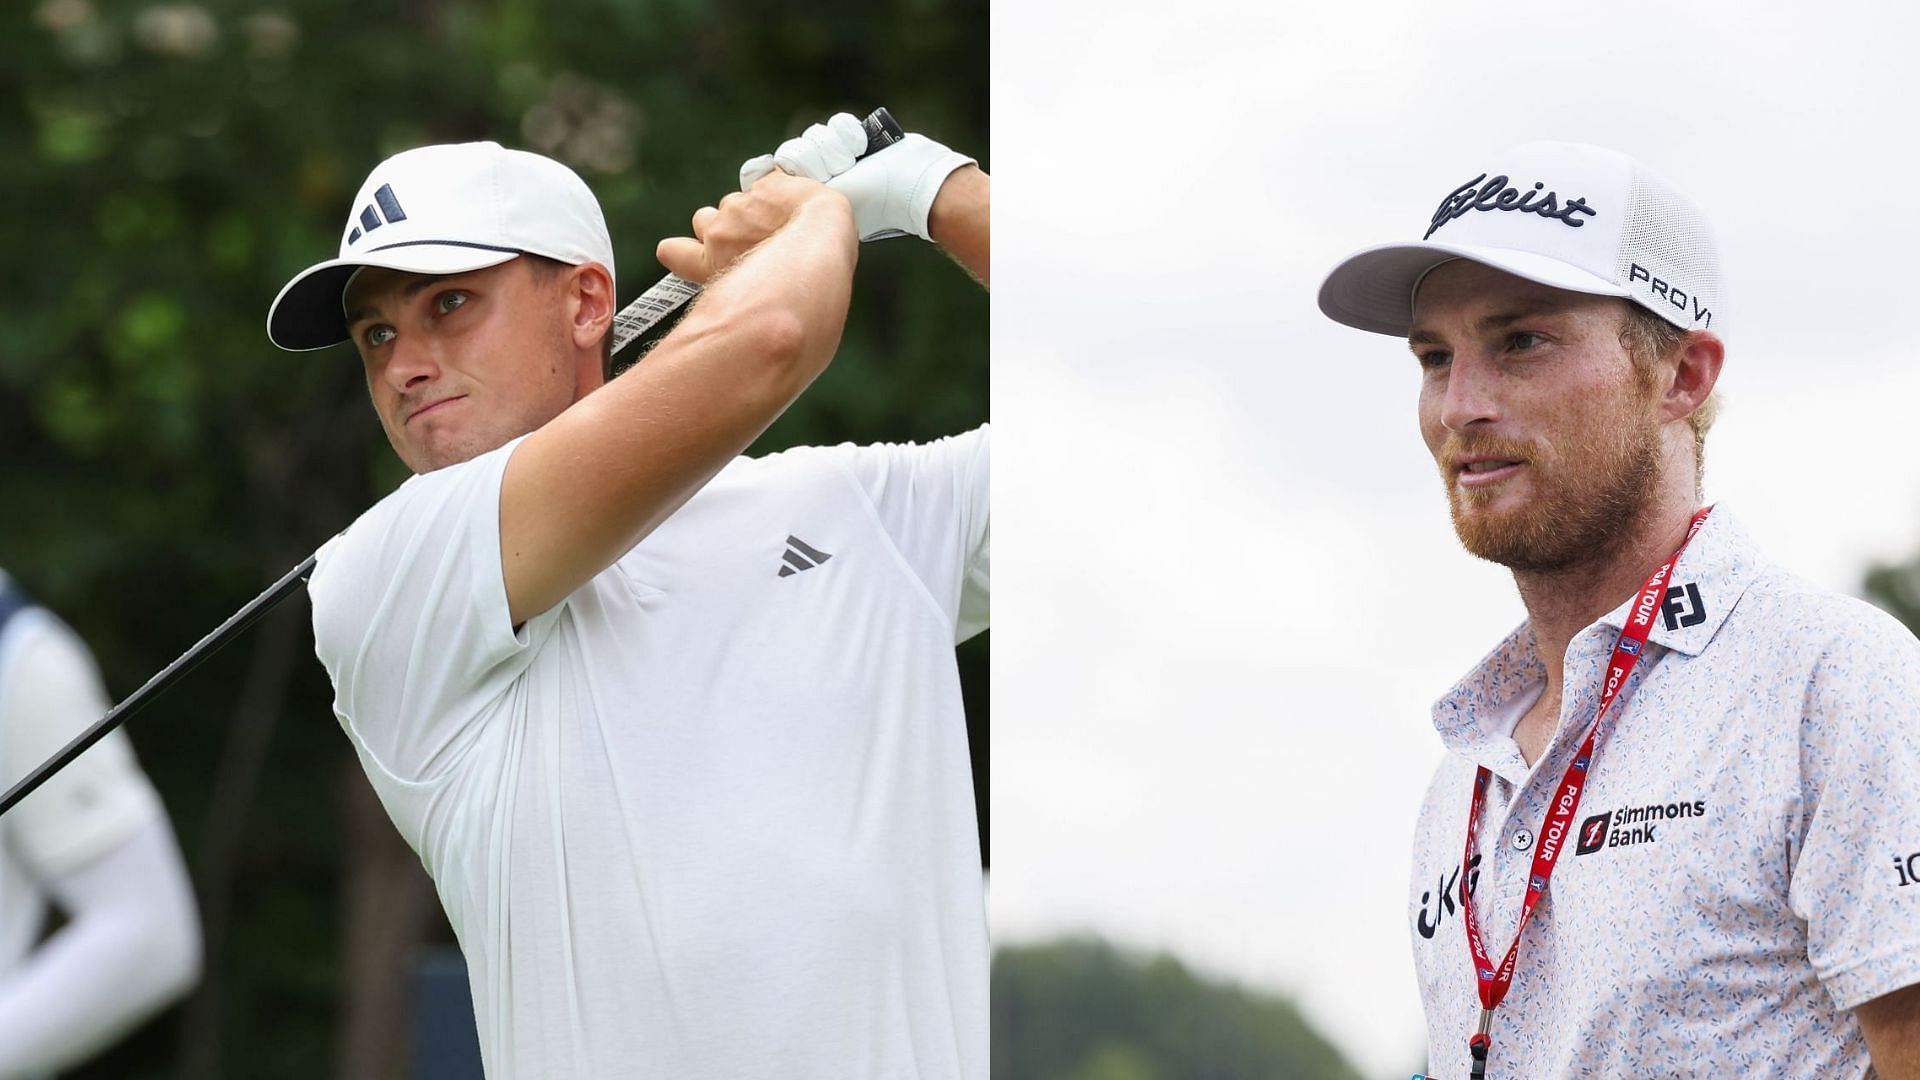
{"x": 712, "y": 816}
{"x": 94, "y": 841}
{"x": 1741, "y": 895}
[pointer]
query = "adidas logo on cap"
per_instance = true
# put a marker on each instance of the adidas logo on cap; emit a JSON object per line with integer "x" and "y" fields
{"x": 371, "y": 219}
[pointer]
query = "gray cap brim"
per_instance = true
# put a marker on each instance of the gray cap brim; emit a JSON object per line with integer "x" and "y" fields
{"x": 1373, "y": 289}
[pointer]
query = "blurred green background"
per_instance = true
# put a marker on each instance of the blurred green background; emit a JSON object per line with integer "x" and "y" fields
{"x": 165, "y": 168}
{"x": 1080, "y": 1009}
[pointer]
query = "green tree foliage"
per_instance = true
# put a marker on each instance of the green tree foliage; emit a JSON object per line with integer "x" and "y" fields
{"x": 1081, "y": 1010}
{"x": 167, "y": 166}
{"x": 1896, "y": 588}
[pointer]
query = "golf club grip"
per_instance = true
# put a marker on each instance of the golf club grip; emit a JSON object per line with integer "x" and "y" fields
{"x": 169, "y": 675}
{"x": 667, "y": 294}
{"x": 882, "y": 131}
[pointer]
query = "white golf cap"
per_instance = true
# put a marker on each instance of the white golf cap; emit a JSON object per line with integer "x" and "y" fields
{"x": 444, "y": 210}
{"x": 1567, "y": 215}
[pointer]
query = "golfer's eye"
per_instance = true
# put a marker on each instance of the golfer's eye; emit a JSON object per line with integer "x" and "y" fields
{"x": 377, "y": 335}
{"x": 1523, "y": 341}
{"x": 1433, "y": 358}
{"x": 446, "y": 302}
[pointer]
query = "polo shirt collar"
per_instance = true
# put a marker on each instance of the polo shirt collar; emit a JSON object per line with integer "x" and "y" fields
{"x": 1475, "y": 717}
{"x": 1713, "y": 573}
{"x": 1711, "y": 576}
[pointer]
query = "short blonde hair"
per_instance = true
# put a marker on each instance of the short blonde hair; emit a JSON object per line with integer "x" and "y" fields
{"x": 1648, "y": 339}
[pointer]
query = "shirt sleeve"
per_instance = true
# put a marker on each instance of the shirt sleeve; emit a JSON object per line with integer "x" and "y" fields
{"x": 1860, "y": 783}
{"x": 52, "y": 692}
{"x": 410, "y": 619}
{"x": 934, "y": 501}
{"x": 131, "y": 945}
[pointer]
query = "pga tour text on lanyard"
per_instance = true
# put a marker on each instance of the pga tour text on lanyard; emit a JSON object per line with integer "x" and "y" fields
{"x": 1554, "y": 832}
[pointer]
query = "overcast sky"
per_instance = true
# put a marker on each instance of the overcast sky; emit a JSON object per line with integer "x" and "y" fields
{"x": 1228, "y": 588}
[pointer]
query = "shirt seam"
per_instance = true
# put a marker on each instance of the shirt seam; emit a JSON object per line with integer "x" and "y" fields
{"x": 950, "y": 622}
{"x": 451, "y": 767}
{"x": 367, "y": 754}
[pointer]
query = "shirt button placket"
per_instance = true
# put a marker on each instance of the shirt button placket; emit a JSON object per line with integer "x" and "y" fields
{"x": 1514, "y": 861}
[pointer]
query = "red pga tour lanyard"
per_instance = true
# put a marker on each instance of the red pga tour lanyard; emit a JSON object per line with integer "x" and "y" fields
{"x": 1566, "y": 802}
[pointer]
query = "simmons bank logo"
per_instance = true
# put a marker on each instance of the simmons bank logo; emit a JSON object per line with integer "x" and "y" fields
{"x": 1634, "y": 825}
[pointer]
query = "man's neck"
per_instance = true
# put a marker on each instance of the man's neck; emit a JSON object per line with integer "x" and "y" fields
{"x": 1561, "y": 603}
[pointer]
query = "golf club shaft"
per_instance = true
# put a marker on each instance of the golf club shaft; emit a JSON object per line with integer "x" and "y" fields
{"x": 171, "y": 674}
{"x": 670, "y": 292}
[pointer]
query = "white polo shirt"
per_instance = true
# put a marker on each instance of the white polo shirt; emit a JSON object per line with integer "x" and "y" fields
{"x": 1742, "y": 873}
{"x": 712, "y": 816}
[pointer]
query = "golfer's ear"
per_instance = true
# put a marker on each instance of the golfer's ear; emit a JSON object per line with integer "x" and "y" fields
{"x": 590, "y": 294}
{"x": 1696, "y": 371}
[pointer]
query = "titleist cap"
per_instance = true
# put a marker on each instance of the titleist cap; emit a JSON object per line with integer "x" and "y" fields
{"x": 1567, "y": 215}
{"x": 444, "y": 210}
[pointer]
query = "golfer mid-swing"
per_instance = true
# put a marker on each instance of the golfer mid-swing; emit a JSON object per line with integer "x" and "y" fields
{"x": 678, "y": 734}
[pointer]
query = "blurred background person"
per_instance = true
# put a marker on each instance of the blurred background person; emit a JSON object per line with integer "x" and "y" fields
{"x": 93, "y": 844}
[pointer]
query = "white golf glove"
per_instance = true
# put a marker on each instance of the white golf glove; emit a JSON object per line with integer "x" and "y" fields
{"x": 891, "y": 192}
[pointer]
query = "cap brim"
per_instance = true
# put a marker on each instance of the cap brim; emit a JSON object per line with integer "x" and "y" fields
{"x": 1372, "y": 289}
{"x": 310, "y": 314}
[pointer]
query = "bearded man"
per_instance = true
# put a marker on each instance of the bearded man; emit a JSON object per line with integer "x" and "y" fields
{"x": 1685, "y": 775}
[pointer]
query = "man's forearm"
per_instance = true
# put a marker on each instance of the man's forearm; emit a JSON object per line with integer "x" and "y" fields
{"x": 600, "y": 476}
{"x": 801, "y": 274}
{"x": 1891, "y": 1024}
{"x": 960, "y": 221}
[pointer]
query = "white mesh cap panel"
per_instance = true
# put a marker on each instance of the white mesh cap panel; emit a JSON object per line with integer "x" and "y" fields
{"x": 1668, "y": 259}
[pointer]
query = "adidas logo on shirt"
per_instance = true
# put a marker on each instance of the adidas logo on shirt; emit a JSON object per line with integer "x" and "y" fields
{"x": 385, "y": 203}
{"x": 800, "y": 557}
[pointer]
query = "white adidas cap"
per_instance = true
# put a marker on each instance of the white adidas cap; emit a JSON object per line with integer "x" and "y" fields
{"x": 1567, "y": 215}
{"x": 444, "y": 210}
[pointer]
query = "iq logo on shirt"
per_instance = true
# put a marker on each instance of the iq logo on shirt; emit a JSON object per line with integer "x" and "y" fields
{"x": 1908, "y": 867}
{"x": 1634, "y": 825}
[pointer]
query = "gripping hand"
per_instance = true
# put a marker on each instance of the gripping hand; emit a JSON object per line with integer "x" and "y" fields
{"x": 891, "y": 192}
